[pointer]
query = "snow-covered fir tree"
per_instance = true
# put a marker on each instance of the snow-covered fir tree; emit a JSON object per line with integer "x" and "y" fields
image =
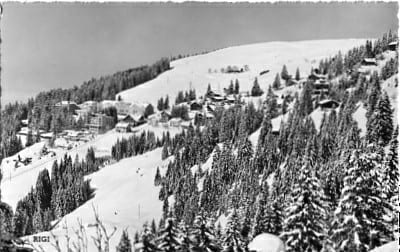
{"x": 203, "y": 236}
{"x": 232, "y": 240}
{"x": 124, "y": 244}
{"x": 169, "y": 237}
{"x": 304, "y": 227}
{"x": 360, "y": 219}
{"x": 380, "y": 124}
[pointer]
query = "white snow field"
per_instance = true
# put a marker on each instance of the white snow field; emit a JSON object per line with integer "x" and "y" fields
{"x": 389, "y": 247}
{"x": 16, "y": 183}
{"x": 125, "y": 198}
{"x": 194, "y": 71}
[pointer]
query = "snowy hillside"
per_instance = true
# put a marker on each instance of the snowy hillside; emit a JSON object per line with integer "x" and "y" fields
{"x": 195, "y": 71}
{"x": 125, "y": 195}
{"x": 17, "y": 182}
{"x": 125, "y": 198}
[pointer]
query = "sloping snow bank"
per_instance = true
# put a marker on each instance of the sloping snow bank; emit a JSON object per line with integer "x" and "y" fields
{"x": 267, "y": 243}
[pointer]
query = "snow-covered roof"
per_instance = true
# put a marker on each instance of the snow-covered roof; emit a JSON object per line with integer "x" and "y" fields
{"x": 64, "y": 103}
{"x": 325, "y": 101}
{"x": 137, "y": 117}
{"x": 393, "y": 43}
{"x": 121, "y": 117}
{"x": 89, "y": 103}
{"x": 175, "y": 120}
{"x": 370, "y": 60}
{"x": 122, "y": 125}
{"x": 267, "y": 243}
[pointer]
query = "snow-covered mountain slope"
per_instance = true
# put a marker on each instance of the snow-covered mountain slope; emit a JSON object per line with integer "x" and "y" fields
{"x": 198, "y": 71}
{"x": 16, "y": 183}
{"x": 125, "y": 198}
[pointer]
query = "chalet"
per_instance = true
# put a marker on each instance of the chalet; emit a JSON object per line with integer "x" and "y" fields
{"x": 217, "y": 98}
{"x": 369, "y": 62}
{"x": 68, "y": 105}
{"x": 196, "y": 106}
{"x": 100, "y": 123}
{"x": 393, "y": 45}
{"x": 138, "y": 119}
{"x": 230, "y": 99}
{"x": 165, "y": 116}
{"x": 153, "y": 119}
{"x": 122, "y": 127}
{"x": 175, "y": 122}
{"x": 314, "y": 76}
{"x": 320, "y": 87}
{"x": 328, "y": 104}
{"x": 73, "y": 135}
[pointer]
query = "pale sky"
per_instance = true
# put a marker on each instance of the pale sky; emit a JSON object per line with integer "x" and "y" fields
{"x": 55, "y": 45}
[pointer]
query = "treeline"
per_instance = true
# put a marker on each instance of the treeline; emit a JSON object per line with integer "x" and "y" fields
{"x": 54, "y": 196}
{"x": 42, "y": 114}
{"x": 136, "y": 145}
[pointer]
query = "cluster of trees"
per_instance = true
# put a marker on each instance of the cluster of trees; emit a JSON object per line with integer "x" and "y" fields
{"x": 330, "y": 181}
{"x": 163, "y": 104}
{"x": 233, "y": 88}
{"x": 54, "y": 196}
{"x": 42, "y": 114}
{"x": 136, "y": 145}
{"x": 390, "y": 68}
{"x": 180, "y": 111}
{"x": 185, "y": 96}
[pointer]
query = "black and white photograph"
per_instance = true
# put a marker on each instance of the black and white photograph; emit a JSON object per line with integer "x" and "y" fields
{"x": 199, "y": 126}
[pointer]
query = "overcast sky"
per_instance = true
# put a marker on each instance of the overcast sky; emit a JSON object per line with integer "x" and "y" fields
{"x": 61, "y": 45}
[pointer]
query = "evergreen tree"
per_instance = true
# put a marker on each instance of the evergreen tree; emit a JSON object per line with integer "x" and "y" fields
{"x": 237, "y": 87}
{"x": 157, "y": 178}
{"x": 160, "y": 104}
{"x": 166, "y": 103}
{"x": 359, "y": 223}
{"x": 147, "y": 240}
{"x": 125, "y": 243}
{"x": 297, "y": 77}
{"x": 232, "y": 238}
{"x": 169, "y": 237}
{"x": 203, "y": 236}
{"x": 231, "y": 89}
{"x": 149, "y": 110}
{"x": 284, "y": 74}
{"x": 380, "y": 124}
{"x": 256, "y": 89}
{"x": 391, "y": 178}
{"x": 391, "y": 166}
{"x": 29, "y": 139}
{"x": 277, "y": 82}
{"x": 304, "y": 226}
